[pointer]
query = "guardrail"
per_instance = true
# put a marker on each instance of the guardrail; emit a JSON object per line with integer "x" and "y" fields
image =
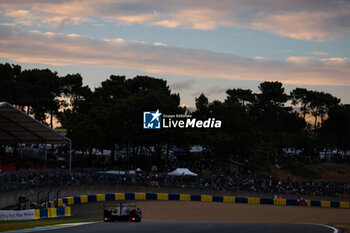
{"x": 80, "y": 199}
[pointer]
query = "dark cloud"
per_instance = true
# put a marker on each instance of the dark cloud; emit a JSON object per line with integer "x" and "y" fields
{"x": 214, "y": 90}
{"x": 185, "y": 85}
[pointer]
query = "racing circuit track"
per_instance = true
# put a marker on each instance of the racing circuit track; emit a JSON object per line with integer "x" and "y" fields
{"x": 204, "y": 217}
{"x": 177, "y": 227}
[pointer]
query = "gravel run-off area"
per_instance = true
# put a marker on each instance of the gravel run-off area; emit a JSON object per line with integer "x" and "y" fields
{"x": 221, "y": 212}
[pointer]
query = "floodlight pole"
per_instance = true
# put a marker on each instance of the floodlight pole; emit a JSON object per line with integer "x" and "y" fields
{"x": 37, "y": 198}
{"x": 70, "y": 157}
{"x": 45, "y": 151}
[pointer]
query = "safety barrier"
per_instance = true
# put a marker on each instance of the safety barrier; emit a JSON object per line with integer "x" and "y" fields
{"x": 52, "y": 212}
{"x": 277, "y": 201}
{"x": 140, "y": 196}
{"x": 266, "y": 201}
{"x": 241, "y": 200}
{"x": 119, "y": 196}
{"x": 162, "y": 196}
{"x": 174, "y": 197}
{"x": 229, "y": 199}
{"x": 68, "y": 201}
{"x": 325, "y": 204}
{"x": 345, "y": 205}
{"x": 206, "y": 198}
{"x": 218, "y": 199}
{"x": 294, "y": 202}
{"x": 315, "y": 203}
{"x": 253, "y": 200}
{"x": 195, "y": 197}
{"x": 185, "y": 197}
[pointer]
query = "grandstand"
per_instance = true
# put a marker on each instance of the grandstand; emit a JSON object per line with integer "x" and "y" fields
{"x": 9, "y": 163}
{"x": 16, "y": 127}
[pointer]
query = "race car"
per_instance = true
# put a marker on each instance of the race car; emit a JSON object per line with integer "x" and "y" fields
{"x": 122, "y": 212}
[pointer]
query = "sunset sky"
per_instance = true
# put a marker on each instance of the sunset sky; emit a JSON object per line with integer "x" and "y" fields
{"x": 196, "y": 45}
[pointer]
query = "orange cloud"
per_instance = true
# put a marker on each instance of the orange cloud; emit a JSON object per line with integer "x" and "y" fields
{"x": 60, "y": 49}
{"x": 299, "y": 60}
{"x": 319, "y": 53}
{"x": 137, "y": 18}
{"x": 302, "y": 25}
{"x": 168, "y": 23}
{"x": 20, "y": 14}
{"x": 303, "y": 20}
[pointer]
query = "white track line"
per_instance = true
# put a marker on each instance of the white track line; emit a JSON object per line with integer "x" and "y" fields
{"x": 49, "y": 227}
{"x": 76, "y": 223}
{"x": 335, "y": 230}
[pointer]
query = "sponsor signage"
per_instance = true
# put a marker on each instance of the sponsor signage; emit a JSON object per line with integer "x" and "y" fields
{"x": 16, "y": 214}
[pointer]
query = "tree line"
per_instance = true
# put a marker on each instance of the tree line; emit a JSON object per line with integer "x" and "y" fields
{"x": 255, "y": 126}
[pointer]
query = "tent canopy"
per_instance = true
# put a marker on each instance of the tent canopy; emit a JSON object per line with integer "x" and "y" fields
{"x": 18, "y": 127}
{"x": 181, "y": 172}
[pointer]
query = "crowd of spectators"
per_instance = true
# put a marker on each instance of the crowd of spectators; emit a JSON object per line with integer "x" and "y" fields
{"x": 277, "y": 186}
{"x": 35, "y": 179}
{"x": 10, "y": 163}
{"x": 29, "y": 174}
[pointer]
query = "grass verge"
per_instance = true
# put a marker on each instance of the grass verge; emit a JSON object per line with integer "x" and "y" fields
{"x": 344, "y": 227}
{"x": 301, "y": 171}
{"x": 22, "y": 224}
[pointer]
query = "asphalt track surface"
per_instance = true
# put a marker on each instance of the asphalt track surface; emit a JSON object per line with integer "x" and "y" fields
{"x": 184, "y": 227}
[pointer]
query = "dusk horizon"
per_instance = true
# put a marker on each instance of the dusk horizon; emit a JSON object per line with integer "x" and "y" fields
{"x": 198, "y": 48}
